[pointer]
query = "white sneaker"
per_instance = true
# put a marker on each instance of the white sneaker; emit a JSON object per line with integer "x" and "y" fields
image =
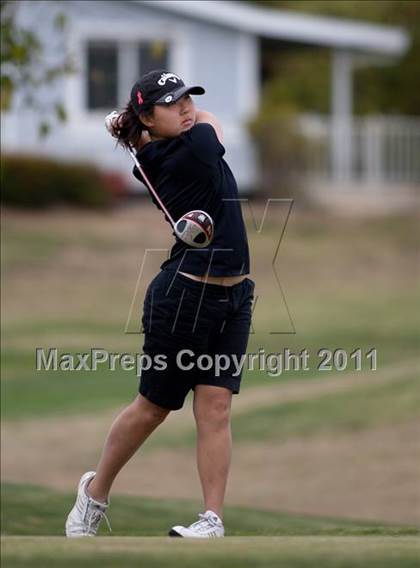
{"x": 209, "y": 525}
{"x": 86, "y": 515}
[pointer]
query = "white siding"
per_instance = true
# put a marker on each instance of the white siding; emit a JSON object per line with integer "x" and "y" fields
{"x": 223, "y": 61}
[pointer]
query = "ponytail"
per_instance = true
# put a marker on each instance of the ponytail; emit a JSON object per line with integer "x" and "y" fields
{"x": 129, "y": 127}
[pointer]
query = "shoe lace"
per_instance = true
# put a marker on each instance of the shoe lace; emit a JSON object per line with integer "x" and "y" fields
{"x": 203, "y": 523}
{"x": 94, "y": 516}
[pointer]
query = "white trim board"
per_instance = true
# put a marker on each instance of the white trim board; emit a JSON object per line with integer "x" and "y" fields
{"x": 290, "y": 26}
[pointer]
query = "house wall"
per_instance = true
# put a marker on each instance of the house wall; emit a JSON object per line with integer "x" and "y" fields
{"x": 224, "y": 61}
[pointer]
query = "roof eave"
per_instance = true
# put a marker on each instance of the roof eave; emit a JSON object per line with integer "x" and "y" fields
{"x": 291, "y": 26}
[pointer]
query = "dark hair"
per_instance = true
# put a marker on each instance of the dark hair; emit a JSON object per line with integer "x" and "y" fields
{"x": 130, "y": 127}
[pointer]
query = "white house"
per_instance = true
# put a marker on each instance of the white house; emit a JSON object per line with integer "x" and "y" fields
{"x": 213, "y": 43}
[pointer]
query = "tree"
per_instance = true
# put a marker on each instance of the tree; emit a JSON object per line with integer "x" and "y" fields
{"x": 24, "y": 69}
{"x": 299, "y": 77}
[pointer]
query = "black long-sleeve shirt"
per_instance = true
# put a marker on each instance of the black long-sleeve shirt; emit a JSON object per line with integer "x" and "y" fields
{"x": 188, "y": 172}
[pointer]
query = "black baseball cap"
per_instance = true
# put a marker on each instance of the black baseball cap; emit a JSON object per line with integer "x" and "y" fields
{"x": 159, "y": 87}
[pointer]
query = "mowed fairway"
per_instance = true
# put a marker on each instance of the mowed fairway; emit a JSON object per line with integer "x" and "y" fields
{"x": 232, "y": 552}
{"x": 284, "y": 539}
{"x": 325, "y": 464}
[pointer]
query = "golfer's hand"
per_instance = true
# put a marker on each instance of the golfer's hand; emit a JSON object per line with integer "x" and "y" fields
{"x": 111, "y": 123}
{"x": 204, "y": 116}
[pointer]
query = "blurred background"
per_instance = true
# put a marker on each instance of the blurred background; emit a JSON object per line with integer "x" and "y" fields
{"x": 320, "y": 102}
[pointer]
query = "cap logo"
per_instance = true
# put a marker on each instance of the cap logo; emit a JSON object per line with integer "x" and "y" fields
{"x": 139, "y": 97}
{"x": 168, "y": 77}
{"x": 168, "y": 99}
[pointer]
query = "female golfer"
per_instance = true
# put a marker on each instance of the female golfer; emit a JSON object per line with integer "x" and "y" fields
{"x": 198, "y": 304}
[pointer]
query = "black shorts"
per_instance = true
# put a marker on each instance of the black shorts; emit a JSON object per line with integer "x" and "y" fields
{"x": 194, "y": 334}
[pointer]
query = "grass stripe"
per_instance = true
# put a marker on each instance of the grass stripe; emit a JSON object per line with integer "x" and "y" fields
{"x": 260, "y": 552}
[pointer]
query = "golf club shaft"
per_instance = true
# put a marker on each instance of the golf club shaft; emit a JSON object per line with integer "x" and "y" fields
{"x": 149, "y": 185}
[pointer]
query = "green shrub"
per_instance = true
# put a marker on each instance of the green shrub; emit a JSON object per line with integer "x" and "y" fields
{"x": 282, "y": 152}
{"x": 38, "y": 182}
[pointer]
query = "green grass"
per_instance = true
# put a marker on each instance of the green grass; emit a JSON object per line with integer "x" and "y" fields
{"x": 327, "y": 268}
{"x": 31, "y": 510}
{"x": 59, "y": 393}
{"x": 38, "y": 246}
{"x": 239, "y": 552}
{"x": 27, "y": 393}
{"x": 255, "y": 538}
{"x": 349, "y": 283}
{"x": 34, "y": 247}
{"x": 359, "y": 409}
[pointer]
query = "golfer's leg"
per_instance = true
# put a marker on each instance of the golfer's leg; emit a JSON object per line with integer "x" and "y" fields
{"x": 129, "y": 430}
{"x": 214, "y": 442}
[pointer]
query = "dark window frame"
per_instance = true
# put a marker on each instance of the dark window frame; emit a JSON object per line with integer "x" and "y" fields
{"x": 101, "y": 86}
{"x": 94, "y": 100}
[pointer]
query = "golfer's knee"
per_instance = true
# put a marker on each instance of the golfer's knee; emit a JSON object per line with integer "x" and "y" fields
{"x": 214, "y": 414}
{"x": 149, "y": 412}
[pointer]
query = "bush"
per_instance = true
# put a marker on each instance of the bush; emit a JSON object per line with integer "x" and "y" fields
{"x": 283, "y": 154}
{"x": 39, "y": 182}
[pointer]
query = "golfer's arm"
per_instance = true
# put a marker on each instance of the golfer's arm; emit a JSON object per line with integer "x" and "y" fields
{"x": 204, "y": 116}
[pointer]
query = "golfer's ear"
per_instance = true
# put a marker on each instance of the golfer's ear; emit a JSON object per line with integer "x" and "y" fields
{"x": 146, "y": 120}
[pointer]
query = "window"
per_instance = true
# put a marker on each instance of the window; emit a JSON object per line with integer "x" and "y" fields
{"x": 113, "y": 67}
{"x": 152, "y": 55}
{"x": 102, "y": 75}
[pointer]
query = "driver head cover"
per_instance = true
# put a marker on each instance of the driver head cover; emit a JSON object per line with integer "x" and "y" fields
{"x": 195, "y": 229}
